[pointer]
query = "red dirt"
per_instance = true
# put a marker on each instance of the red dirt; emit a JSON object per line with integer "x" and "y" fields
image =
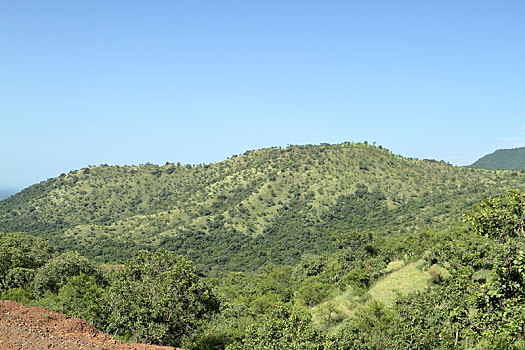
{"x": 28, "y": 328}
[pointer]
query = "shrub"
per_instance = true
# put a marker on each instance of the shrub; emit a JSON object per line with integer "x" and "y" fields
{"x": 55, "y": 274}
{"x": 82, "y": 296}
{"x": 157, "y": 298}
{"x": 20, "y": 253}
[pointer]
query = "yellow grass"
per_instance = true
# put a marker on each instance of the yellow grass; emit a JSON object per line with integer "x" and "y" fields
{"x": 401, "y": 279}
{"x": 407, "y": 279}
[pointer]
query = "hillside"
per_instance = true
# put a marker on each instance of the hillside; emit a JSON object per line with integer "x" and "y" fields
{"x": 266, "y": 206}
{"x": 502, "y": 159}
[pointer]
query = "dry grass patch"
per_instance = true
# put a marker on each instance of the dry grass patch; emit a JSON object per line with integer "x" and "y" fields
{"x": 409, "y": 278}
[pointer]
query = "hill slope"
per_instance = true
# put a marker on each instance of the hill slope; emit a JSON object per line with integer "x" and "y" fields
{"x": 502, "y": 159}
{"x": 266, "y": 206}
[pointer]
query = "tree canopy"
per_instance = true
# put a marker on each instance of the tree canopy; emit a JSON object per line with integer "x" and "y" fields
{"x": 157, "y": 298}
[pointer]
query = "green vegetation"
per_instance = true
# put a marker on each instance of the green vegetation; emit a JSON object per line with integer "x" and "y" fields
{"x": 458, "y": 287}
{"x": 502, "y": 159}
{"x": 311, "y": 247}
{"x": 20, "y": 256}
{"x": 56, "y": 272}
{"x": 265, "y": 207}
{"x": 155, "y": 298}
{"x": 410, "y": 278}
{"x": 158, "y": 298}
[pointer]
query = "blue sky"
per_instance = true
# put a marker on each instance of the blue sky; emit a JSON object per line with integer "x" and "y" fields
{"x": 129, "y": 82}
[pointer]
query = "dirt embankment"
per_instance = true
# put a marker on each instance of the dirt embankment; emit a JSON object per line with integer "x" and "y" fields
{"x": 27, "y": 327}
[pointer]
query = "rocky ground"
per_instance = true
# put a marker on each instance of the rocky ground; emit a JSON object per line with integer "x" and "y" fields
{"x": 26, "y": 327}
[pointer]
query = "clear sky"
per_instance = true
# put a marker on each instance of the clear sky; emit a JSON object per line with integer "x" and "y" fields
{"x": 129, "y": 82}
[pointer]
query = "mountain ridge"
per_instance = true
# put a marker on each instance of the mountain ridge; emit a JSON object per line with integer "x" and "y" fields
{"x": 265, "y": 206}
{"x": 502, "y": 159}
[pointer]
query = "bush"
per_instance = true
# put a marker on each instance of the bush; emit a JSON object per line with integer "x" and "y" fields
{"x": 19, "y": 277}
{"x": 55, "y": 274}
{"x": 21, "y": 295}
{"x": 312, "y": 291}
{"x": 157, "y": 298}
{"x": 82, "y": 297}
{"x": 287, "y": 327}
{"x": 20, "y": 253}
{"x": 225, "y": 328}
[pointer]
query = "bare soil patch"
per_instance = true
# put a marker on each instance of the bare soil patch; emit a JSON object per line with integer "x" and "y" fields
{"x": 28, "y": 328}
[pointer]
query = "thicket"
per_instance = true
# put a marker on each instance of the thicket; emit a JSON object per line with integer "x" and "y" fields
{"x": 155, "y": 298}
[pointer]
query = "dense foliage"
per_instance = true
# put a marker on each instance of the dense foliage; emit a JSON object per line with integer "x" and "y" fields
{"x": 20, "y": 256}
{"x": 158, "y": 298}
{"x": 500, "y": 218}
{"x": 155, "y": 298}
{"x": 56, "y": 272}
{"x": 505, "y": 159}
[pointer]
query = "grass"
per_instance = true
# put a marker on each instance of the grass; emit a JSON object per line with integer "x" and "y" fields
{"x": 409, "y": 278}
{"x": 394, "y": 266}
{"x": 340, "y": 307}
{"x": 400, "y": 279}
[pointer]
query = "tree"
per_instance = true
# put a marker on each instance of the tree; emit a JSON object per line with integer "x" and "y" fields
{"x": 499, "y": 303}
{"x": 500, "y": 217}
{"x": 82, "y": 296}
{"x": 20, "y": 255}
{"x": 157, "y": 298}
{"x": 56, "y": 272}
{"x": 496, "y": 319}
{"x": 371, "y": 327}
{"x": 312, "y": 291}
{"x": 287, "y": 327}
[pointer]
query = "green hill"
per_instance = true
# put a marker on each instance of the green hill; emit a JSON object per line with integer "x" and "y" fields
{"x": 502, "y": 159}
{"x": 266, "y": 206}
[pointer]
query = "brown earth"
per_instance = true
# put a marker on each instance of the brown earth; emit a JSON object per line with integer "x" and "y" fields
{"x": 28, "y": 328}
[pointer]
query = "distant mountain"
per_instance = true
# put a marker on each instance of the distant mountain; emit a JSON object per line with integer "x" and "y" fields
{"x": 267, "y": 206}
{"x": 6, "y": 192}
{"x": 502, "y": 159}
